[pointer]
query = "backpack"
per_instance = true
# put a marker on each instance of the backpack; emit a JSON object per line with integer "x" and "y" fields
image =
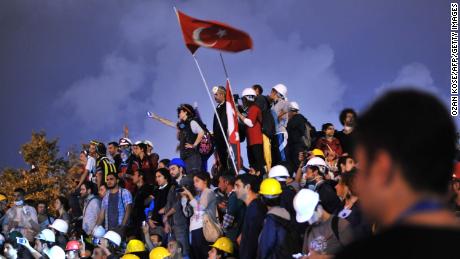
{"x": 309, "y": 133}
{"x": 268, "y": 121}
{"x": 292, "y": 243}
{"x": 206, "y": 146}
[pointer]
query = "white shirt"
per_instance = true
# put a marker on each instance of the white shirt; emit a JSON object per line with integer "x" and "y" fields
{"x": 91, "y": 167}
{"x": 281, "y": 106}
{"x": 199, "y": 207}
{"x": 91, "y": 164}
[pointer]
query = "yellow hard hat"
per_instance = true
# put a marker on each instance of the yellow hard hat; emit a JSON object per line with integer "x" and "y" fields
{"x": 223, "y": 244}
{"x": 317, "y": 152}
{"x": 130, "y": 256}
{"x": 270, "y": 186}
{"x": 159, "y": 253}
{"x": 2, "y": 197}
{"x": 134, "y": 246}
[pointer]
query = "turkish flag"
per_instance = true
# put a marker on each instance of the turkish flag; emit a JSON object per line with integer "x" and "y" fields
{"x": 212, "y": 34}
{"x": 232, "y": 123}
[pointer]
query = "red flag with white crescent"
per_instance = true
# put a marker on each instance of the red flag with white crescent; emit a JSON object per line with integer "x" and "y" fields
{"x": 232, "y": 120}
{"x": 212, "y": 34}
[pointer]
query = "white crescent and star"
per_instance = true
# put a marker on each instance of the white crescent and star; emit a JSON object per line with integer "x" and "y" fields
{"x": 197, "y": 39}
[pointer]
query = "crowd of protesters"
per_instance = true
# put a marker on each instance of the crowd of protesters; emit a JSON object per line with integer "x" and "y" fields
{"x": 382, "y": 187}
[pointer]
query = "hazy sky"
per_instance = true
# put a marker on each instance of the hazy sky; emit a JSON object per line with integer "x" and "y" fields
{"x": 81, "y": 69}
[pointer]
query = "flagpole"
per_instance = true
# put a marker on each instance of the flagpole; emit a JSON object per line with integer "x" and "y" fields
{"x": 223, "y": 64}
{"x": 224, "y": 134}
{"x": 217, "y": 115}
{"x": 228, "y": 79}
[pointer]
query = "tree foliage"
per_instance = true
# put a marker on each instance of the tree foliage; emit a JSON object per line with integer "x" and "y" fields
{"x": 48, "y": 177}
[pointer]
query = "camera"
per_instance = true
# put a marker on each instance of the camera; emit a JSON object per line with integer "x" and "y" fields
{"x": 236, "y": 97}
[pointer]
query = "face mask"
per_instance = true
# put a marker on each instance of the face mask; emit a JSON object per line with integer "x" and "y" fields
{"x": 71, "y": 254}
{"x": 348, "y": 128}
{"x": 96, "y": 241}
{"x": 125, "y": 154}
{"x": 303, "y": 181}
{"x": 311, "y": 184}
{"x": 19, "y": 203}
{"x": 316, "y": 216}
{"x": 46, "y": 250}
{"x": 11, "y": 253}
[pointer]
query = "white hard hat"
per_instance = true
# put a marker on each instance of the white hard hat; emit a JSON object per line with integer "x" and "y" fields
{"x": 137, "y": 142}
{"x": 56, "y": 253}
{"x": 248, "y": 92}
{"x": 281, "y": 89}
{"x": 60, "y": 225}
{"x": 98, "y": 231}
{"x": 305, "y": 203}
{"x": 294, "y": 106}
{"x": 46, "y": 235}
{"x": 279, "y": 172}
{"x": 113, "y": 236}
{"x": 316, "y": 161}
{"x": 148, "y": 143}
{"x": 125, "y": 142}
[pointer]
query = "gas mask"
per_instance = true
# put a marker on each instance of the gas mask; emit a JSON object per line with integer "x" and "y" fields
{"x": 125, "y": 154}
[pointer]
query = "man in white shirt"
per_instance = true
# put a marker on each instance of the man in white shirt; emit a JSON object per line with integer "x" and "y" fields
{"x": 280, "y": 108}
{"x": 90, "y": 168}
{"x": 21, "y": 217}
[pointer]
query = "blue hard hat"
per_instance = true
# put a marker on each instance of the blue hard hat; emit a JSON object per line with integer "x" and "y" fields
{"x": 177, "y": 161}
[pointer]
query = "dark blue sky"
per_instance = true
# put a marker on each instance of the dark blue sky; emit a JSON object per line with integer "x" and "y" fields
{"x": 81, "y": 69}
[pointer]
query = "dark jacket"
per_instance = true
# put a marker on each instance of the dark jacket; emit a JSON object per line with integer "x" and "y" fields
{"x": 328, "y": 197}
{"x": 161, "y": 198}
{"x": 272, "y": 234}
{"x": 186, "y": 135}
{"x": 346, "y": 141}
{"x": 287, "y": 198}
{"x": 253, "y": 223}
{"x": 296, "y": 131}
{"x": 222, "y": 112}
{"x": 138, "y": 214}
{"x": 268, "y": 121}
{"x": 237, "y": 209}
{"x": 361, "y": 228}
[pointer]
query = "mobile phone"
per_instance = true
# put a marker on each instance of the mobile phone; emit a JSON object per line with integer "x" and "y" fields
{"x": 149, "y": 114}
{"x": 143, "y": 223}
{"x": 21, "y": 240}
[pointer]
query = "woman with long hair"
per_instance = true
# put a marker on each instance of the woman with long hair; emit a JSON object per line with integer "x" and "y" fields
{"x": 203, "y": 202}
{"x": 61, "y": 205}
{"x": 190, "y": 133}
{"x": 164, "y": 182}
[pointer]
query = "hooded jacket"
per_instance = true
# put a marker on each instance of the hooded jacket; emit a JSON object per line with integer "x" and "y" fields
{"x": 272, "y": 234}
